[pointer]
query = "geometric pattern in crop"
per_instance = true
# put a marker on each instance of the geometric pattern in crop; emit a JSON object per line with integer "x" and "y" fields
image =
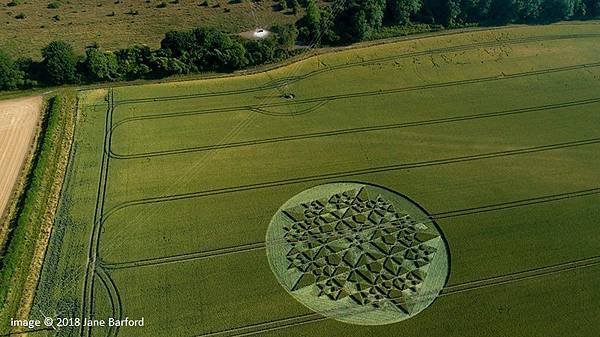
{"x": 360, "y": 246}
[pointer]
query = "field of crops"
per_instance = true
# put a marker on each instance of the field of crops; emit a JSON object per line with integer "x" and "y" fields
{"x": 495, "y": 133}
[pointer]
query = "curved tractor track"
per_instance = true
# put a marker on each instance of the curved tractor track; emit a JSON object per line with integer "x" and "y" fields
{"x": 392, "y": 126}
{"x": 325, "y": 99}
{"x": 282, "y": 82}
{"x": 87, "y": 304}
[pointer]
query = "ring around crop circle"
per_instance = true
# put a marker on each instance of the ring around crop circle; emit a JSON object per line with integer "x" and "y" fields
{"x": 358, "y": 253}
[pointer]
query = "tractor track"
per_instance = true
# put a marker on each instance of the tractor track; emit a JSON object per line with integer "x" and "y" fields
{"x": 362, "y": 94}
{"x": 282, "y": 82}
{"x": 87, "y": 304}
{"x": 392, "y": 126}
{"x": 115, "y": 299}
{"x": 434, "y": 217}
{"x": 350, "y": 173}
{"x": 274, "y": 325}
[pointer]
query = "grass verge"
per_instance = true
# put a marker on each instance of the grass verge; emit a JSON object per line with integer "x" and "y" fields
{"x": 32, "y": 221}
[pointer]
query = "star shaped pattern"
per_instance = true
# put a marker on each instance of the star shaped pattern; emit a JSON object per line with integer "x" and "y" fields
{"x": 358, "y": 246}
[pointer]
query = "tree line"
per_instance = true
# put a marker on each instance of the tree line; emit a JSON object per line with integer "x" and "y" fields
{"x": 208, "y": 49}
{"x": 181, "y": 52}
{"x": 358, "y": 19}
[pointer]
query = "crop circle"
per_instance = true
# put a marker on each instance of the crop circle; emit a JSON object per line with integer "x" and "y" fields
{"x": 358, "y": 253}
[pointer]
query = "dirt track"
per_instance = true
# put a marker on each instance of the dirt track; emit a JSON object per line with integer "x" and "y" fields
{"x": 18, "y": 122}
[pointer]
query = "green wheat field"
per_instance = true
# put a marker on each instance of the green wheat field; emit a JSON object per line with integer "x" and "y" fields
{"x": 171, "y": 187}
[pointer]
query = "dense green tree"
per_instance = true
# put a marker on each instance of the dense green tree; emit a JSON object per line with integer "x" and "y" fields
{"x": 100, "y": 66}
{"x": 286, "y": 34}
{"x": 527, "y": 10}
{"x": 179, "y": 43}
{"x": 442, "y": 12}
{"x": 282, "y": 5}
{"x": 260, "y": 51}
{"x": 502, "y": 11}
{"x": 163, "y": 65}
{"x": 592, "y": 8}
{"x": 10, "y": 76}
{"x": 359, "y": 19}
{"x": 328, "y": 34}
{"x": 134, "y": 62}
{"x": 205, "y": 49}
{"x": 217, "y": 51}
{"x": 59, "y": 63}
{"x": 309, "y": 26}
{"x": 553, "y": 10}
{"x": 472, "y": 11}
{"x": 400, "y": 11}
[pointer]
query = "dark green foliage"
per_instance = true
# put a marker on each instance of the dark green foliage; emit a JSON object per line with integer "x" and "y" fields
{"x": 54, "y": 5}
{"x": 286, "y": 34}
{"x": 527, "y": 10}
{"x": 309, "y": 26}
{"x": 10, "y": 76}
{"x": 134, "y": 62}
{"x": 100, "y": 66}
{"x": 282, "y": 5}
{"x": 502, "y": 11}
{"x": 400, "y": 11}
{"x": 553, "y": 10}
{"x": 205, "y": 49}
{"x": 208, "y": 49}
{"x": 59, "y": 63}
{"x": 497, "y": 12}
{"x": 359, "y": 19}
{"x": 178, "y": 43}
{"x": 592, "y": 8}
{"x": 260, "y": 51}
{"x": 163, "y": 66}
{"x": 317, "y": 25}
{"x": 294, "y": 5}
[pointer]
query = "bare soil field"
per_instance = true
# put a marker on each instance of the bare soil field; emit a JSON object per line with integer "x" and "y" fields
{"x": 18, "y": 121}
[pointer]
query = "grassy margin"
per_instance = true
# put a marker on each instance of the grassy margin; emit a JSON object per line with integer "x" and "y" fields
{"x": 34, "y": 215}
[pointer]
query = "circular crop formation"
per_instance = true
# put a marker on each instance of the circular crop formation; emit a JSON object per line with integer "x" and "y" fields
{"x": 357, "y": 253}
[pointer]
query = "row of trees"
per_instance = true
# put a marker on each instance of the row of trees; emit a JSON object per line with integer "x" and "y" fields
{"x": 357, "y": 19}
{"x": 208, "y": 49}
{"x": 457, "y": 12}
{"x": 181, "y": 52}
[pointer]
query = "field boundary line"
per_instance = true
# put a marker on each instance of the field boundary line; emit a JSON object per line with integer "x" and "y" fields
{"x": 350, "y": 173}
{"x": 434, "y": 217}
{"x": 391, "y": 126}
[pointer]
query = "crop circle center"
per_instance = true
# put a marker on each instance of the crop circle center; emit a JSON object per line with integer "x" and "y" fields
{"x": 358, "y": 253}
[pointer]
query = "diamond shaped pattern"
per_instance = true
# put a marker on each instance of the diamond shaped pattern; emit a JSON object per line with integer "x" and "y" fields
{"x": 358, "y": 246}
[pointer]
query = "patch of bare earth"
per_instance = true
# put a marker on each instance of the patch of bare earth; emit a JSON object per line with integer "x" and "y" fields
{"x": 19, "y": 119}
